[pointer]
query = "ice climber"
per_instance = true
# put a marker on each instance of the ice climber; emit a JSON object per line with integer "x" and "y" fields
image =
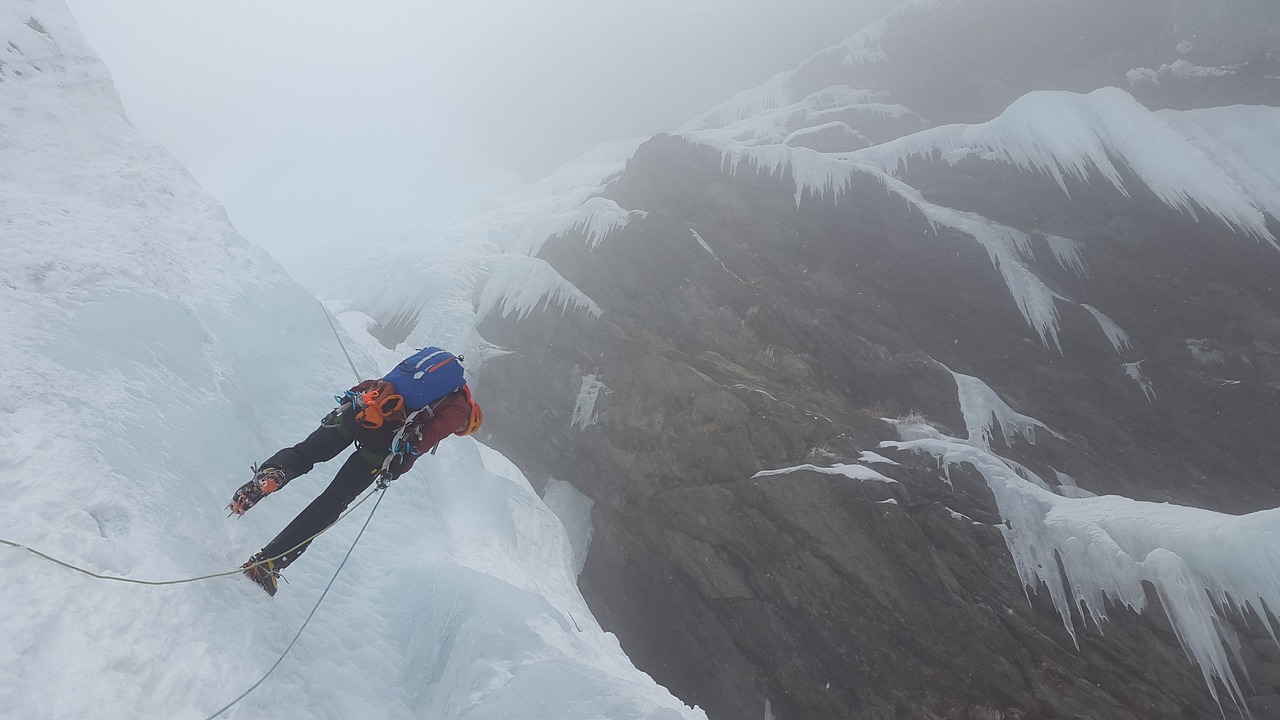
{"x": 391, "y": 421}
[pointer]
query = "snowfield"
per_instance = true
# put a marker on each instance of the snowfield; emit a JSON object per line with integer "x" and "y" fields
{"x": 149, "y": 355}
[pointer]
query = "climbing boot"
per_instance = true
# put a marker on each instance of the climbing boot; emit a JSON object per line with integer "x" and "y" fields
{"x": 266, "y": 480}
{"x": 263, "y": 572}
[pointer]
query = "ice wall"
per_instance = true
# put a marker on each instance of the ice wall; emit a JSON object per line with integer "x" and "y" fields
{"x": 148, "y": 355}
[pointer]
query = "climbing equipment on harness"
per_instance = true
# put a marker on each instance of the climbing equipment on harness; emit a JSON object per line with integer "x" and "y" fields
{"x": 380, "y": 405}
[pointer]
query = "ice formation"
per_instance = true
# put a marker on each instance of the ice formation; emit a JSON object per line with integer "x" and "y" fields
{"x": 1221, "y": 161}
{"x": 1134, "y": 371}
{"x": 1202, "y": 564}
{"x": 854, "y": 472}
{"x": 1006, "y": 247}
{"x": 574, "y": 510}
{"x": 703, "y": 244}
{"x": 493, "y": 253}
{"x": 519, "y": 284}
{"x": 1069, "y": 253}
{"x": 871, "y": 458}
{"x": 984, "y": 410}
{"x": 1069, "y": 136}
{"x": 1116, "y": 334}
{"x": 1204, "y": 353}
{"x": 584, "y": 408}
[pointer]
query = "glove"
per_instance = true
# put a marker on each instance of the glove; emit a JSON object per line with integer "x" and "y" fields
{"x": 396, "y": 466}
{"x": 265, "y": 481}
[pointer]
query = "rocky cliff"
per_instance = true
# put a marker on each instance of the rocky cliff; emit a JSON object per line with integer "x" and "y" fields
{"x": 822, "y": 269}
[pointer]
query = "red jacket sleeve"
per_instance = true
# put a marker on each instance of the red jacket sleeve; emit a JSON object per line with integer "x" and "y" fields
{"x": 450, "y": 417}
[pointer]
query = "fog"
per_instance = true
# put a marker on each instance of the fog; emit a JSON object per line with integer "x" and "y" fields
{"x": 320, "y": 122}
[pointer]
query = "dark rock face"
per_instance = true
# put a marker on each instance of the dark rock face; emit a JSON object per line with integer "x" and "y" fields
{"x": 741, "y": 332}
{"x": 811, "y": 590}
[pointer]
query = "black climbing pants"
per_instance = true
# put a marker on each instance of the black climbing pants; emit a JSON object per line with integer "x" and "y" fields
{"x": 334, "y": 435}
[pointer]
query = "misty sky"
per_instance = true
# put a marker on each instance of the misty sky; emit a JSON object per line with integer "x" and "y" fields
{"x": 313, "y": 118}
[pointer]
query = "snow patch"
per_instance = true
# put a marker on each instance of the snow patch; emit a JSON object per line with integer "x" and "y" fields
{"x": 855, "y": 472}
{"x": 1134, "y": 371}
{"x": 1203, "y": 352}
{"x": 712, "y": 253}
{"x": 872, "y": 458}
{"x": 1116, "y": 334}
{"x": 584, "y": 408}
{"x": 752, "y": 388}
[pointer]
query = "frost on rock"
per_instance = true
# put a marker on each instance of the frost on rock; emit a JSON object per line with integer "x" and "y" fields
{"x": 1194, "y": 161}
{"x": 1069, "y": 253}
{"x": 866, "y": 46}
{"x": 1202, "y": 564}
{"x": 854, "y": 472}
{"x": 519, "y": 284}
{"x": 1204, "y": 353}
{"x": 584, "y": 408}
{"x": 1116, "y": 334}
{"x": 712, "y": 253}
{"x": 1134, "y": 371}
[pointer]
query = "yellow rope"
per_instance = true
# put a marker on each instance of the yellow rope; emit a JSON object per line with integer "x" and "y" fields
{"x": 261, "y": 562}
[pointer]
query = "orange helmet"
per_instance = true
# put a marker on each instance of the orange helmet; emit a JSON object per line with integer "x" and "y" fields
{"x": 477, "y": 417}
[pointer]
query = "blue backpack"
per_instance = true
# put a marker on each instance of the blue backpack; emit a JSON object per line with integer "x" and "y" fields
{"x": 426, "y": 376}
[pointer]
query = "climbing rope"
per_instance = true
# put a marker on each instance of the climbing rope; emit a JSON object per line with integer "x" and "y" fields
{"x": 341, "y": 344}
{"x": 261, "y": 562}
{"x": 264, "y": 561}
{"x": 310, "y": 615}
{"x": 115, "y": 578}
